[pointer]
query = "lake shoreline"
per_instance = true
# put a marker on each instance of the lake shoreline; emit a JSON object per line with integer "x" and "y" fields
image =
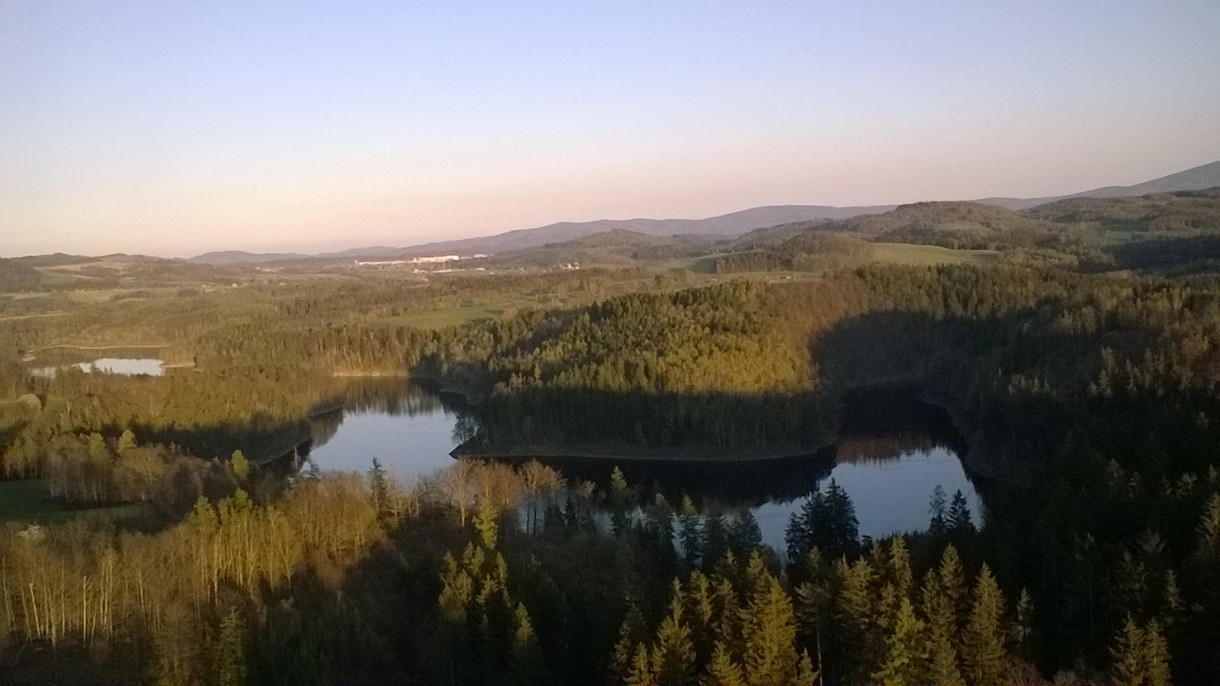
{"x": 625, "y": 453}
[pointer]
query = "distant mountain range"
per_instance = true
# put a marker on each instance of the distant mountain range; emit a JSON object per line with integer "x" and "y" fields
{"x": 1194, "y": 179}
{"x": 733, "y": 224}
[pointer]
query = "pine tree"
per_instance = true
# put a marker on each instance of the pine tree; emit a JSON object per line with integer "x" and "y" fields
{"x": 951, "y": 580}
{"x": 825, "y": 521}
{"x": 844, "y": 529}
{"x": 660, "y": 521}
{"x": 961, "y": 524}
{"x": 942, "y": 633}
{"x": 485, "y": 524}
{"x": 983, "y": 653}
{"x": 526, "y": 658}
{"x": 894, "y": 563}
{"x": 726, "y": 627}
{"x": 701, "y": 611}
{"x": 769, "y": 632}
{"x": 379, "y": 486}
{"x": 1127, "y": 668}
{"x": 938, "y": 508}
{"x": 632, "y": 632}
{"x": 689, "y": 533}
{"x": 722, "y": 669}
{"x": 745, "y": 536}
{"x": 1023, "y": 627}
{"x": 715, "y": 541}
{"x": 855, "y": 615}
{"x": 799, "y": 534}
{"x": 229, "y": 654}
{"x": 815, "y": 604}
{"x": 1209, "y": 531}
{"x": 620, "y": 501}
{"x": 457, "y": 590}
{"x": 673, "y": 653}
{"x": 906, "y": 650}
{"x": 641, "y": 669}
{"x": 1155, "y": 656}
{"x": 806, "y": 675}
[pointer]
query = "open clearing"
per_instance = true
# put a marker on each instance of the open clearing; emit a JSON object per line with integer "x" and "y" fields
{"x": 930, "y": 255}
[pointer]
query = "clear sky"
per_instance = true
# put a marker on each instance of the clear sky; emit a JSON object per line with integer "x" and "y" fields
{"x": 172, "y": 128}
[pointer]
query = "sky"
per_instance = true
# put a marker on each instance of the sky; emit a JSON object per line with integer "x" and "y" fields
{"x": 174, "y": 128}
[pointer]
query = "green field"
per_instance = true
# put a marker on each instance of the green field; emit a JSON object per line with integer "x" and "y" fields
{"x": 930, "y": 255}
{"x": 28, "y": 501}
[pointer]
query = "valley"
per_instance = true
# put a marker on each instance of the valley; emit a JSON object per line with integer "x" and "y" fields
{"x": 271, "y": 464}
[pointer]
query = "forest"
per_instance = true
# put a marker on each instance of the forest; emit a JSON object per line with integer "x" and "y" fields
{"x": 1081, "y": 371}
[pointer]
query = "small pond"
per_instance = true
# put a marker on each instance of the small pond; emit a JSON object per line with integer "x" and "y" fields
{"x": 141, "y": 366}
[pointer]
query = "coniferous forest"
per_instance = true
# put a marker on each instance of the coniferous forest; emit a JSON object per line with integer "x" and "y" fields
{"x": 163, "y": 529}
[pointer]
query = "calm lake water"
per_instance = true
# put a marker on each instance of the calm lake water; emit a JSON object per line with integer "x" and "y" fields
{"x": 888, "y": 462}
{"x": 406, "y": 427}
{"x": 143, "y": 366}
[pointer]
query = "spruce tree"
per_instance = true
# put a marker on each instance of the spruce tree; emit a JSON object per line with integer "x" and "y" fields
{"x": 722, "y": 669}
{"x": 527, "y": 665}
{"x": 799, "y": 534}
{"x": 379, "y": 485}
{"x": 1023, "y": 627}
{"x": 1155, "y": 656}
{"x": 726, "y": 627}
{"x": 690, "y": 534}
{"x": 640, "y": 673}
{"x": 1127, "y": 664}
{"x": 769, "y": 632}
{"x": 229, "y": 653}
{"x": 815, "y": 605}
{"x": 701, "y": 611}
{"x": 961, "y": 524}
{"x": 941, "y": 619}
{"x": 894, "y": 563}
{"x": 844, "y": 529}
{"x": 745, "y": 536}
{"x": 855, "y": 615}
{"x": 620, "y": 498}
{"x": 485, "y": 524}
{"x": 983, "y": 649}
{"x": 951, "y": 580}
{"x": 632, "y": 632}
{"x": 715, "y": 541}
{"x": 906, "y": 650}
{"x": 937, "y": 508}
{"x": 673, "y": 653}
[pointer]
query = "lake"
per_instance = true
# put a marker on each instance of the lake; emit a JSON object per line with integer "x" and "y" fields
{"x": 408, "y": 428}
{"x": 889, "y": 456}
{"x": 142, "y": 366}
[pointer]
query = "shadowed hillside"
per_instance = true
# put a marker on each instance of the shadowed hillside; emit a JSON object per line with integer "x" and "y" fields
{"x": 1180, "y": 211}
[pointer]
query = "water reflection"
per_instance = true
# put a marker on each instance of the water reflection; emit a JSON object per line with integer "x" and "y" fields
{"x": 408, "y": 428}
{"x": 891, "y": 452}
{"x": 143, "y": 366}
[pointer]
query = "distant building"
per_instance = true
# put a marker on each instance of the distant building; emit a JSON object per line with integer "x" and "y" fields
{"x": 435, "y": 259}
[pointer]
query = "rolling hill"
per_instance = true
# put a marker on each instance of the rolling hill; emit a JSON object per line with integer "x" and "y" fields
{"x": 796, "y": 218}
{"x": 239, "y": 257}
{"x": 732, "y": 224}
{"x": 1179, "y": 211}
{"x": 1193, "y": 179}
